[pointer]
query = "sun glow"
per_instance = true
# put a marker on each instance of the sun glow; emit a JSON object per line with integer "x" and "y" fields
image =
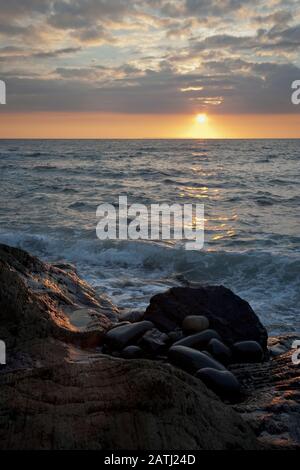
{"x": 201, "y": 118}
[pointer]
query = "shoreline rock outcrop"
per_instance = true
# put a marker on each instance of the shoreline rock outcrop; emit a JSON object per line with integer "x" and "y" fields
{"x": 59, "y": 390}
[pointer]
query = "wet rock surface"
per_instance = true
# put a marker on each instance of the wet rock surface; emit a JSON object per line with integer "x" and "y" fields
{"x": 38, "y": 301}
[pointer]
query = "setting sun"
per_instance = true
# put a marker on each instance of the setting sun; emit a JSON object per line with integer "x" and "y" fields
{"x": 201, "y": 118}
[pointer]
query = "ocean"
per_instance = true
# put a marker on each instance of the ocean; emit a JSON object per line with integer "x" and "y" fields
{"x": 50, "y": 190}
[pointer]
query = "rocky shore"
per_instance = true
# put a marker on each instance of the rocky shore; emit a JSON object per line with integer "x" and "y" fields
{"x": 196, "y": 370}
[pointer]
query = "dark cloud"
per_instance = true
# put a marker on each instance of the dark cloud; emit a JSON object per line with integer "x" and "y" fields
{"x": 18, "y": 54}
{"x": 239, "y": 87}
{"x": 96, "y": 34}
{"x": 150, "y": 56}
{"x": 263, "y": 40}
{"x": 56, "y": 53}
{"x": 16, "y": 9}
{"x": 278, "y": 17}
{"x": 213, "y": 7}
{"x": 83, "y": 13}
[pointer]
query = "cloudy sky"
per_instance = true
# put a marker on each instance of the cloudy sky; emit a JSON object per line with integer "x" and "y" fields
{"x": 152, "y": 58}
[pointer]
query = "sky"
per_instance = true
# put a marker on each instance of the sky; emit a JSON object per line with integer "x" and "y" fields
{"x": 147, "y": 68}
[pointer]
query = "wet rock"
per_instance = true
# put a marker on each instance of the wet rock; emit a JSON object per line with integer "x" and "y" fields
{"x": 65, "y": 266}
{"x": 132, "y": 352}
{"x": 219, "y": 351}
{"x": 198, "y": 340}
{"x": 247, "y": 351}
{"x": 195, "y": 324}
{"x": 222, "y": 382}
{"x": 154, "y": 341}
{"x": 228, "y": 314}
{"x": 118, "y": 338}
{"x": 276, "y": 350}
{"x": 191, "y": 360}
{"x": 38, "y": 300}
{"x": 283, "y": 341}
{"x": 279, "y": 345}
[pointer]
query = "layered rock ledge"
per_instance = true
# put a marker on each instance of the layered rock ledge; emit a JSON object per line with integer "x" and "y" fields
{"x": 59, "y": 390}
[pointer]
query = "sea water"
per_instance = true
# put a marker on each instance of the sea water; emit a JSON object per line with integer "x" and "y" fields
{"x": 50, "y": 190}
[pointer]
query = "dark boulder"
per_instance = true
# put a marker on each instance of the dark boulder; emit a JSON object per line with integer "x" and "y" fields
{"x": 228, "y": 314}
{"x": 118, "y": 338}
{"x": 222, "y": 382}
{"x": 220, "y": 351}
{"x": 191, "y": 360}
{"x": 247, "y": 351}
{"x": 198, "y": 340}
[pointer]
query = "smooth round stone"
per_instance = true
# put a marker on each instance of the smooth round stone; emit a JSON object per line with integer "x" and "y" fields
{"x": 198, "y": 340}
{"x": 132, "y": 352}
{"x": 195, "y": 323}
{"x": 121, "y": 336}
{"x": 247, "y": 351}
{"x": 219, "y": 351}
{"x": 222, "y": 382}
{"x": 191, "y": 360}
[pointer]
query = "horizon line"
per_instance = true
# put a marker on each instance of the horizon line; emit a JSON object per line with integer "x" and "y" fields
{"x": 149, "y": 138}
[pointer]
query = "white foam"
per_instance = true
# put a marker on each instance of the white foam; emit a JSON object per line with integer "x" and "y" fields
{"x": 131, "y": 272}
